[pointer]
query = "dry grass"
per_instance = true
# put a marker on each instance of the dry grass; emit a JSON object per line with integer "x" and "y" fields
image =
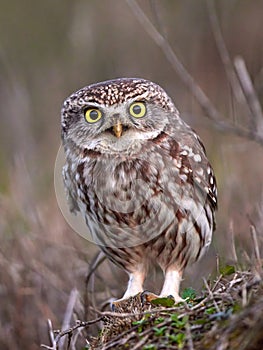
{"x": 226, "y": 315}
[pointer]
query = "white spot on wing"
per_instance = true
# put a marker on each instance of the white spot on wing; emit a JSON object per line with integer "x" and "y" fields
{"x": 197, "y": 158}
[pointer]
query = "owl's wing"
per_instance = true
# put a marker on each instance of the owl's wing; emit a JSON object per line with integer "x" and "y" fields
{"x": 70, "y": 190}
{"x": 206, "y": 180}
{"x": 193, "y": 165}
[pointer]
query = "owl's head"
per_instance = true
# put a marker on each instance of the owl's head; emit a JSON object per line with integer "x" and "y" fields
{"x": 115, "y": 115}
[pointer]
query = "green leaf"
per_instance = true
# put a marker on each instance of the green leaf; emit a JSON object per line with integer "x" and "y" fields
{"x": 174, "y": 317}
{"x": 159, "y": 331}
{"x": 167, "y": 302}
{"x": 140, "y": 324}
{"x": 236, "y": 307}
{"x": 210, "y": 310}
{"x": 178, "y": 338}
{"x": 149, "y": 347}
{"x": 227, "y": 270}
{"x": 86, "y": 347}
{"x": 158, "y": 320}
{"x": 189, "y": 294}
{"x": 199, "y": 321}
{"x": 179, "y": 323}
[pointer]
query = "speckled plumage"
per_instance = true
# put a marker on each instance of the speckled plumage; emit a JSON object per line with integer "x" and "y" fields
{"x": 148, "y": 194}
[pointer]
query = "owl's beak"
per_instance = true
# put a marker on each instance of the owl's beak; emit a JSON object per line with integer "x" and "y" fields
{"x": 117, "y": 129}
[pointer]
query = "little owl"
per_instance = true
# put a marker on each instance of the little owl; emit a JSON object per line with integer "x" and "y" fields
{"x": 140, "y": 177}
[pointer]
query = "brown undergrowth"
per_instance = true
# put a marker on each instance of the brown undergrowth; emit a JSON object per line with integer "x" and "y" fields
{"x": 226, "y": 315}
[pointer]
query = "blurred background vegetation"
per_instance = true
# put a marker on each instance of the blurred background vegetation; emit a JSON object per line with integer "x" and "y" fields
{"x": 48, "y": 49}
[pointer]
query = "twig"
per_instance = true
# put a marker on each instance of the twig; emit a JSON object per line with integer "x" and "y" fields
{"x": 189, "y": 337}
{"x": 79, "y": 324}
{"x": 211, "y": 295}
{"x": 187, "y": 79}
{"x": 112, "y": 344}
{"x": 141, "y": 342}
{"x": 224, "y": 54}
{"x": 47, "y": 347}
{"x": 51, "y": 336}
{"x": 156, "y": 14}
{"x": 75, "y": 337}
{"x": 217, "y": 282}
{"x": 232, "y": 241}
{"x": 255, "y": 244}
{"x": 69, "y": 311}
{"x": 217, "y": 264}
{"x": 132, "y": 314}
{"x": 234, "y": 281}
{"x": 208, "y": 107}
{"x": 95, "y": 263}
{"x": 244, "y": 295}
{"x": 256, "y": 120}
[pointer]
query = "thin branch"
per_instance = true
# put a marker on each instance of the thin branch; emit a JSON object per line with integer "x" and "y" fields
{"x": 132, "y": 314}
{"x": 189, "y": 336}
{"x": 97, "y": 260}
{"x": 217, "y": 282}
{"x": 234, "y": 281}
{"x": 224, "y": 54}
{"x": 47, "y": 347}
{"x": 156, "y": 14}
{"x": 250, "y": 94}
{"x": 232, "y": 241}
{"x": 211, "y": 295}
{"x": 51, "y": 337}
{"x": 69, "y": 331}
{"x": 217, "y": 264}
{"x": 69, "y": 311}
{"x": 209, "y": 109}
{"x": 244, "y": 295}
{"x": 255, "y": 244}
{"x": 187, "y": 79}
{"x": 141, "y": 342}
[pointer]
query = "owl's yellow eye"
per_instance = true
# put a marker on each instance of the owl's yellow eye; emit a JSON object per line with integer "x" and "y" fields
{"x": 92, "y": 115}
{"x": 137, "y": 109}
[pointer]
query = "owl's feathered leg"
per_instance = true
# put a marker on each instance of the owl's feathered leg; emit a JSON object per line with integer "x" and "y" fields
{"x": 170, "y": 288}
{"x": 135, "y": 286}
{"x": 171, "y": 283}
